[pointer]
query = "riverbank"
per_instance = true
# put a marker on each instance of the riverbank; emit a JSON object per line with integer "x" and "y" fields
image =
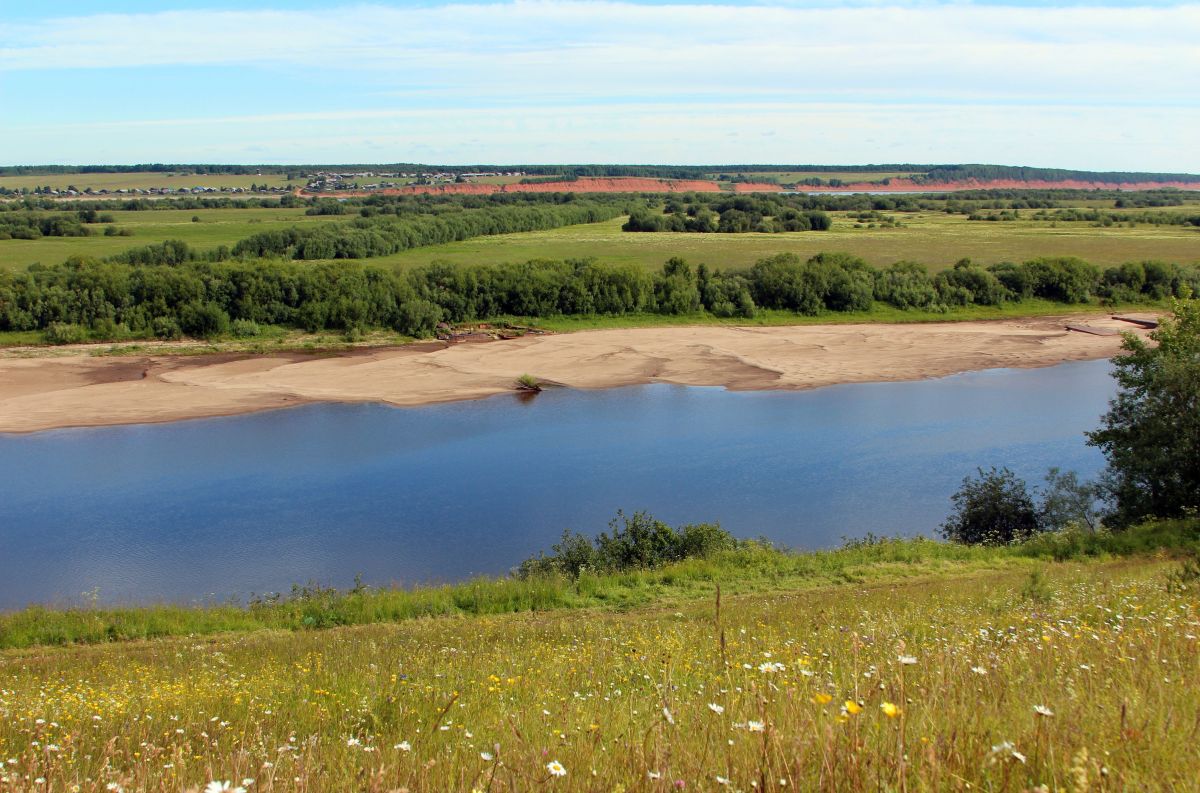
{"x": 767, "y": 689}
{"x": 82, "y": 390}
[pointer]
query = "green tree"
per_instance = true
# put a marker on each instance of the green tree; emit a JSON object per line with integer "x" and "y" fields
{"x": 1066, "y": 501}
{"x": 1151, "y": 432}
{"x": 994, "y": 508}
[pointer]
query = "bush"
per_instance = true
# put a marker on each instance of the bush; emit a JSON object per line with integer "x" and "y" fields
{"x": 166, "y": 328}
{"x": 632, "y": 543}
{"x": 419, "y": 318}
{"x": 203, "y": 320}
{"x": 245, "y": 328}
{"x": 65, "y": 333}
{"x": 994, "y": 508}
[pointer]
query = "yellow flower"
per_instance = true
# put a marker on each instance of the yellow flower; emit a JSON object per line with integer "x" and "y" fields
{"x": 890, "y": 710}
{"x": 852, "y": 707}
{"x": 822, "y": 699}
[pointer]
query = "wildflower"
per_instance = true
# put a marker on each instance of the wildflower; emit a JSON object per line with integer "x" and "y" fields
{"x": 771, "y": 667}
{"x": 722, "y": 780}
{"x": 653, "y": 775}
{"x": 353, "y": 742}
{"x": 821, "y": 698}
{"x": 1007, "y": 747}
{"x": 755, "y": 726}
{"x": 890, "y": 710}
{"x": 217, "y": 786}
{"x": 852, "y": 707}
{"x": 907, "y": 660}
{"x": 1042, "y": 710}
{"x": 556, "y": 768}
{"x": 487, "y": 757}
{"x": 979, "y": 670}
{"x": 715, "y": 708}
{"x": 667, "y": 715}
{"x": 403, "y": 746}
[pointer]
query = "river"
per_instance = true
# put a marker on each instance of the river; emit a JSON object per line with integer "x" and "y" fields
{"x": 212, "y": 509}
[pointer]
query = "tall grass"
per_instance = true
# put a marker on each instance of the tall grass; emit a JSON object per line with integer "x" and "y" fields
{"x": 975, "y": 679}
{"x": 751, "y": 567}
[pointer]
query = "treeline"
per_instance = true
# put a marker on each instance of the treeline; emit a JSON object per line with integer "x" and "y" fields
{"x": 28, "y": 203}
{"x": 926, "y": 172}
{"x": 1103, "y": 217}
{"x": 367, "y": 237}
{"x": 158, "y": 167}
{"x": 735, "y": 215}
{"x": 166, "y": 291}
{"x": 953, "y": 173}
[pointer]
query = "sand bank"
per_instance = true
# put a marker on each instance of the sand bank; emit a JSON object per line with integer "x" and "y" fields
{"x": 81, "y": 390}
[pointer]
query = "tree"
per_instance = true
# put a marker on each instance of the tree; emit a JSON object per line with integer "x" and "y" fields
{"x": 1066, "y": 501}
{"x": 993, "y": 509}
{"x": 1151, "y": 432}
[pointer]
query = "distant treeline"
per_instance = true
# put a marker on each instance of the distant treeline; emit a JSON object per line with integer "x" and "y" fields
{"x": 34, "y": 203}
{"x": 925, "y": 172}
{"x": 381, "y": 235}
{"x": 964, "y": 202}
{"x": 165, "y": 291}
{"x": 954, "y": 173}
{"x": 1103, "y": 217}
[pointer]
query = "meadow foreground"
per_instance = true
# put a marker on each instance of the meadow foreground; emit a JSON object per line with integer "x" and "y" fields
{"x": 1076, "y": 676}
{"x": 39, "y": 393}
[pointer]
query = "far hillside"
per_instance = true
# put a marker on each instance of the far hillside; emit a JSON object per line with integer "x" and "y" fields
{"x": 172, "y": 179}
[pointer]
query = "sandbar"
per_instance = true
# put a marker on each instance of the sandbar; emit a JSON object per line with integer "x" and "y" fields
{"x": 40, "y": 393}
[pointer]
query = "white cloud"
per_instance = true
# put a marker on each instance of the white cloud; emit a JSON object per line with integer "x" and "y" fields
{"x": 567, "y": 48}
{"x": 609, "y": 81}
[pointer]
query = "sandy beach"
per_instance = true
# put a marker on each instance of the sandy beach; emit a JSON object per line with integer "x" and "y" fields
{"x": 41, "y": 393}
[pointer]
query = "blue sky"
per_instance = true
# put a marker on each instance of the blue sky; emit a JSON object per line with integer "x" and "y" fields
{"x": 1096, "y": 85}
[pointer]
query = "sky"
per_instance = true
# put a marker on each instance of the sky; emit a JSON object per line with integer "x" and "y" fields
{"x": 1100, "y": 85}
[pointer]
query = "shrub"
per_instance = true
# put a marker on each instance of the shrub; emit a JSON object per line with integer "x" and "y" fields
{"x": 245, "y": 328}
{"x": 166, "y": 328}
{"x": 632, "y": 543}
{"x": 994, "y": 508}
{"x": 65, "y": 333}
{"x": 203, "y": 320}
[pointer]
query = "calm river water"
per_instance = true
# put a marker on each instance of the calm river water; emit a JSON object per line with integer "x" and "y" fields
{"x": 213, "y": 508}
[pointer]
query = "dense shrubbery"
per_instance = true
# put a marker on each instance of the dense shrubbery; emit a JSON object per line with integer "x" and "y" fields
{"x": 166, "y": 289}
{"x": 32, "y": 225}
{"x": 637, "y": 542}
{"x": 767, "y": 214}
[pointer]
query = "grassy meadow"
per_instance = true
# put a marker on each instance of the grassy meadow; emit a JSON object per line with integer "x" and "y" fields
{"x": 216, "y": 227}
{"x": 906, "y": 670}
{"x": 932, "y": 238}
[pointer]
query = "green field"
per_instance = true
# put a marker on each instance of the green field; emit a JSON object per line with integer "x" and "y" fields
{"x": 933, "y": 238}
{"x": 144, "y": 180}
{"x": 909, "y": 668}
{"x": 216, "y": 227}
